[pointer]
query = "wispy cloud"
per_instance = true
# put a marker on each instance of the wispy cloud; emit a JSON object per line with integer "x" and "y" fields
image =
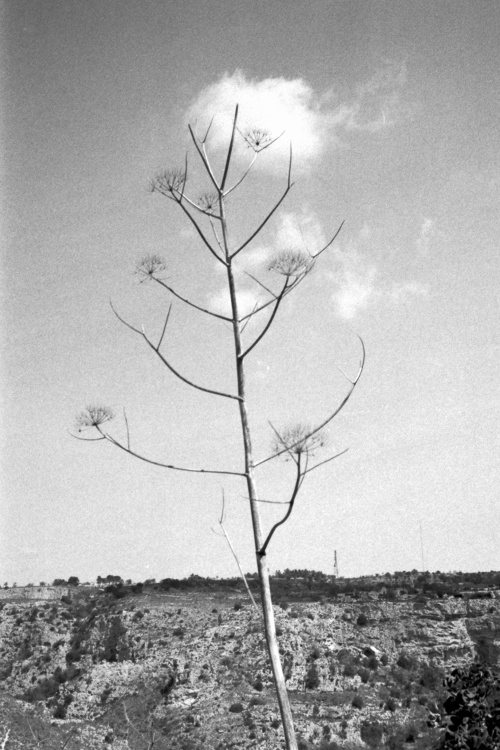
{"x": 312, "y": 121}
{"x": 427, "y": 233}
{"x": 359, "y": 280}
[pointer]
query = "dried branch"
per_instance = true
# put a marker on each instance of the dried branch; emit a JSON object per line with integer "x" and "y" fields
{"x": 271, "y": 212}
{"x": 221, "y": 524}
{"x": 191, "y": 304}
{"x": 171, "y": 367}
{"x": 229, "y": 151}
{"x": 269, "y": 322}
{"x": 203, "y": 156}
{"x": 118, "y": 444}
{"x": 247, "y": 170}
{"x": 298, "y": 482}
{"x": 330, "y": 417}
{"x": 315, "y": 255}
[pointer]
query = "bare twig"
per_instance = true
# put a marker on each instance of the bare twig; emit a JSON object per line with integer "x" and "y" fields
{"x": 330, "y": 417}
{"x": 271, "y": 212}
{"x": 269, "y": 322}
{"x": 116, "y": 442}
{"x": 191, "y": 304}
{"x": 228, "y": 540}
{"x": 167, "y": 363}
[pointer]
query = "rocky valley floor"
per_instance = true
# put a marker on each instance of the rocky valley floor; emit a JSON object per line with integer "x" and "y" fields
{"x": 189, "y": 670}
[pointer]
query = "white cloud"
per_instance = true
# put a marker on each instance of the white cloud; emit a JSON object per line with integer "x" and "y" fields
{"x": 312, "y": 121}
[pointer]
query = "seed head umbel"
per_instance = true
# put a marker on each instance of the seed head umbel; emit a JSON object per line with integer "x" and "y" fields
{"x": 168, "y": 181}
{"x": 149, "y": 266}
{"x": 258, "y": 139}
{"x": 292, "y": 263}
{"x": 93, "y": 416}
{"x": 297, "y": 439}
{"x": 208, "y": 202}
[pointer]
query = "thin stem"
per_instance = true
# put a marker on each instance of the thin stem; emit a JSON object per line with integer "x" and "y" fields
{"x": 330, "y": 242}
{"x": 188, "y": 302}
{"x": 128, "y": 431}
{"x": 298, "y": 481}
{"x": 197, "y": 227}
{"x": 164, "y": 327}
{"x": 328, "y": 419}
{"x": 171, "y": 367}
{"x": 269, "y": 322}
{"x": 247, "y": 170}
{"x": 275, "y": 208}
{"x": 116, "y": 442}
{"x": 327, "y": 460}
{"x": 204, "y": 158}
{"x": 229, "y": 151}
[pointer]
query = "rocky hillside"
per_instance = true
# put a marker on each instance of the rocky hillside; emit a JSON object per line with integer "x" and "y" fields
{"x": 189, "y": 670}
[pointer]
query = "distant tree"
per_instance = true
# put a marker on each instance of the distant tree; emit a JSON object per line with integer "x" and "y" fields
{"x": 73, "y": 581}
{"x": 296, "y": 443}
{"x": 59, "y": 582}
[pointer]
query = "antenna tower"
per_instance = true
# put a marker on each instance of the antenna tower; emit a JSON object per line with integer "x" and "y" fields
{"x": 335, "y": 566}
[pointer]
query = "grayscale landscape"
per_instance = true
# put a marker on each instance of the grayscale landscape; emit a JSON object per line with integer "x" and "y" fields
{"x": 250, "y": 343}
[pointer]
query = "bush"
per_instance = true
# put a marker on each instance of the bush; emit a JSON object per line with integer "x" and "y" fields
{"x": 256, "y": 701}
{"x": 364, "y": 674}
{"x": 405, "y": 661}
{"x": 371, "y": 733}
{"x": 431, "y": 677}
{"x": 312, "y": 678}
{"x": 236, "y": 708}
{"x": 390, "y": 705}
{"x": 357, "y": 702}
{"x": 350, "y": 669}
{"x": 362, "y": 620}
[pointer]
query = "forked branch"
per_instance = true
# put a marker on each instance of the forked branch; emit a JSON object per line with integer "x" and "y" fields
{"x": 166, "y": 362}
{"x": 328, "y": 419}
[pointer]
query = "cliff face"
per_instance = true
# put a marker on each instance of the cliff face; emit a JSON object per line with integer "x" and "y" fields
{"x": 196, "y": 656}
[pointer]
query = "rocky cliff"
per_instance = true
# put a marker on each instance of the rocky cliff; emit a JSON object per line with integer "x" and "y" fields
{"x": 191, "y": 669}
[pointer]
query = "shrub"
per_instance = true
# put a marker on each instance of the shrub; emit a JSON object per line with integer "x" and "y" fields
{"x": 357, "y": 702}
{"x": 431, "y": 677}
{"x": 256, "y": 701}
{"x": 315, "y": 653}
{"x": 257, "y": 685}
{"x": 390, "y": 705}
{"x": 362, "y": 620}
{"x": 384, "y": 659}
{"x": 371, "y": 733}
{"x": 350, "y": 669}
{"x": 236, "y": 708}
{"x": 312, "y": 678}
{"x": 364, "y": 674}
{"x": 405, "y": 661}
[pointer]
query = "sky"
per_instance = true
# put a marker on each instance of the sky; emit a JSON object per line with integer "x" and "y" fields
{"x": 392, "y": 112}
